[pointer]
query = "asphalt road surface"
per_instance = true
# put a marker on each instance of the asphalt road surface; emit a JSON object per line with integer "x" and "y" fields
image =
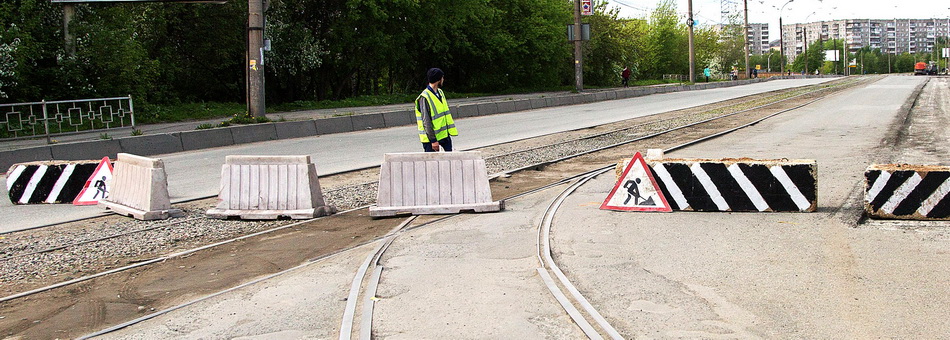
{"x": 815, "y": 275}
{"x": 196, "y": 174}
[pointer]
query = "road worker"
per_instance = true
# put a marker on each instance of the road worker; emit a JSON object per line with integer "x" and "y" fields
{"x": 433, "y": 118}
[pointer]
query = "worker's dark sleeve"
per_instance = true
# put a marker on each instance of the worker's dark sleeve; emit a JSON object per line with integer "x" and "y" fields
{"x": 426, "y": 119}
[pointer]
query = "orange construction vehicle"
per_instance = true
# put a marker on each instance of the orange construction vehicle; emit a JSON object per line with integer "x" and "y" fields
{"x": 920, "y": 68}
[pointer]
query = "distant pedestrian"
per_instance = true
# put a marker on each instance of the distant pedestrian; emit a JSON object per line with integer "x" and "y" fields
{"x": 625, "y": 75}
{"x": 433, "y": 118}
{"x": 707, "y": 72}
{"x": 755, "y": 73}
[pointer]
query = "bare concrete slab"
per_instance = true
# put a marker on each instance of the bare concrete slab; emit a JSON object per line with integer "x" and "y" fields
{"x": 8, "y": 158}
{"x": 368, "y": 122}
{"x": 253, "y": 133}
{"x": 335, "y": 125}
{"x": 298, "y": 129}
{"x": 204, "y": 139}
{"x": 152, "y": 144}
{"x": 86, "y": 150}
{"x": 400, "y": 118}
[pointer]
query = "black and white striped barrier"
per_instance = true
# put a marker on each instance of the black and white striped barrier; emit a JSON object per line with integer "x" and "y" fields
{"x": 48, "y": 181}
{"x": 901, "y": 191}
{"x": 736, "y": 184}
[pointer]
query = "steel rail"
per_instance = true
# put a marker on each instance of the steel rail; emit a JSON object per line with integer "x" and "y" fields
{"x": 346, "y": 326}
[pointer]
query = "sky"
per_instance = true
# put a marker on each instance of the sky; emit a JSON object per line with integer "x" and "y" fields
{"x": 707, "y": 12}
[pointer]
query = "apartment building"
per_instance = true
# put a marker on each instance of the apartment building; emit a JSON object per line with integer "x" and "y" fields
{"x": 893, "y": 36}
{"x": 758, "y": 38}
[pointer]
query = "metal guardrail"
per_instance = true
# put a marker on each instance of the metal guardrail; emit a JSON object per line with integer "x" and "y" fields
{"x": 54, "y": 118}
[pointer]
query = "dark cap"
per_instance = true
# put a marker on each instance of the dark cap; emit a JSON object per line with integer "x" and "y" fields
{"x": 434, "y": 75}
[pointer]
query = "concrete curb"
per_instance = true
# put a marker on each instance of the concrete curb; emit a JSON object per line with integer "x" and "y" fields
{"x": 203, "y": 139}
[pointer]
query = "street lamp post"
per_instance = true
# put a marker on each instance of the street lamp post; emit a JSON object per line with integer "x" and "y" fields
{"x": 781, "y": 37}
{"x": 805, "y": 39}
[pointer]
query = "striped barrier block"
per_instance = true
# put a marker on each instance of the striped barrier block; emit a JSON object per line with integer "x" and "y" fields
{"x": 909, "y": 192}
{"x": 139, "y": 188}
{"x": 268, "y": 187}
{"x": 48, "y": 181}
{"x": 736, "y": 184}
{"x": 433, "y": 183}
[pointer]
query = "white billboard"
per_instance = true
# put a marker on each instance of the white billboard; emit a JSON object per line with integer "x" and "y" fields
{"x": 832, "y": 55}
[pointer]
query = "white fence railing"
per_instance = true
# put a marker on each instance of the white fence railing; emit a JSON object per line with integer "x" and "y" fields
{"x": 53, "y": 118}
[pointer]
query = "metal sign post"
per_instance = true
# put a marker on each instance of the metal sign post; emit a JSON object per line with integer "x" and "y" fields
{"x": 578, "y": 52}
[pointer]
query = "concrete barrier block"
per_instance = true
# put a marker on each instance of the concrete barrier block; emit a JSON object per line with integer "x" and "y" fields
{"x": 600, "y": 96}
{"x": 506, "y": 106}
{"x": 564, "y": 101}
{"x": 522, "y": 105}
{"x": 368, "y": 122}
{"x": 485, "y": 109}
{"x": 537, "y": 103}
{"x": 48, "y": 181}
{"x": 741, "y": 184}
{"x": 297, "y": 129}
{"x": 11, "y": 157}
{"x": 907, "y": 192}
{"x": 86, "y": 150}
{"x": 470, "y": 110}
{"x": 139, "y": 188}
{"x": 152, "y": 144}
{"x": 204, "y": 139}
{"x": 253, "y": 133}
{"x": 334, "y": 125}
{"x": 427, "y": 183}
{"x": 402, "y": 118}
{"x": 268, "y": 187}
{"x": 612, "y": 95}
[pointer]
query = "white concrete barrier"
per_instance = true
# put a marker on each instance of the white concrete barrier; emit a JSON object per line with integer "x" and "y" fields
{"x": 433, "y": 183}
{"x": 139, "y": 188}
{"x": 268, "y": 187}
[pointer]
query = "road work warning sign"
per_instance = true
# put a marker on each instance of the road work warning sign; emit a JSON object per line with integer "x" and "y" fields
{"x": 97, "y": 186}
{"x": 636, "y": 190}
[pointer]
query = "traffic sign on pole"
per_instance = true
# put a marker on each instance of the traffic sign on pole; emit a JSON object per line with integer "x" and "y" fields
{"x": 586, "y": 8}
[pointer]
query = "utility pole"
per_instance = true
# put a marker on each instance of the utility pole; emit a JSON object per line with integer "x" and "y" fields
{"x": 578, "y": 53}
{"x": 781, "y": 43}
{"x": 745, "y": 38}
{"x": 69, "y": 11}
{"x": 805, "y": 54}
{"x": 255, "y": 58}
{"x": 692, "y": 54}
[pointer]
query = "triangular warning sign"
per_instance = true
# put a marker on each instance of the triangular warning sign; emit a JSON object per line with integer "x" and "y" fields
{"x": 638, "y": 190}
{"x": 97, "y": 186}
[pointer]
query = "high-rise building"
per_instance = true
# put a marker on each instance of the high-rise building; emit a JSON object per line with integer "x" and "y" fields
{"x": 894, "y": 36}
{"x": 758, "y": 39}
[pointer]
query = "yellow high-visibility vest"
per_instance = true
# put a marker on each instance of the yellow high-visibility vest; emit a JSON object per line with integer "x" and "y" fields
{"x": 442, "y": 122}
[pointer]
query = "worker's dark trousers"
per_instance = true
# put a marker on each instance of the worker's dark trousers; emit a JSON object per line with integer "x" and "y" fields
{"x": 444, "y": 144}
